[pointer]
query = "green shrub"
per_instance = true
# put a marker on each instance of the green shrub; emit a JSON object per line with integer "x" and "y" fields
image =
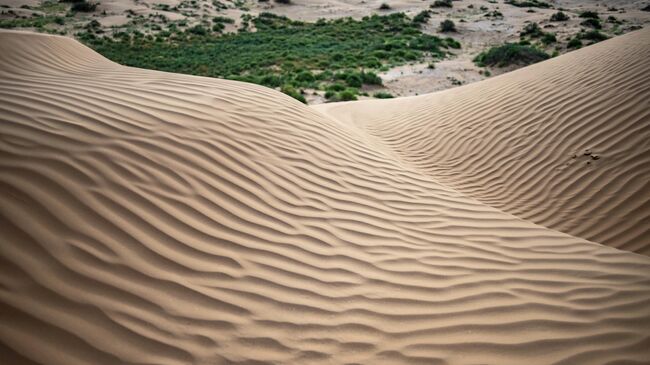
{"x": 533, "y": 30}
{"x": 422, "y": 17}
{"x": 559, "y": 17}
{"x": 589, "y": 14}
{"x": 494, "y": 14}
{"x": 383, "y": 95}
{"x": 442, "y": 4}
{"x": 447, "y": 26}
{"x": 83, "y": 6}
{"x": 528, "y": 4}
{"x": 509, "y": 54}
{"x": 549, "y": 38}
{"x": 347, "y": 95}
{"x": 593, "y": 35}
{"x": 354, "y": 80}
{"x": 592, "y": 23}
{"x": 452, "y": 43}
{"x": 370, "y": 78}
{"x": 291, "y": 91}
{"x": 574, "y": 43}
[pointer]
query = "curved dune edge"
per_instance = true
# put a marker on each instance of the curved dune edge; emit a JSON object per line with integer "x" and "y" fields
{"x": 562, "y": 143}
{"x": 155, "y": 218}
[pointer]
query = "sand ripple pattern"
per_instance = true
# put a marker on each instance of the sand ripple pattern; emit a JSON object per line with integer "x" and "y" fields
{"x": 563, "y": 143}
{"x": 154, "y": 218}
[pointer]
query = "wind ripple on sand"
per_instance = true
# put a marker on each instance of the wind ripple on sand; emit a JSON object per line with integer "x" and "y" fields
{"x": 517, "y": 141}
{"x": 156, "y": 218}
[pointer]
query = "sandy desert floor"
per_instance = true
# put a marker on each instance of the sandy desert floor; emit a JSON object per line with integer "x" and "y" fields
{"x": 476, "y": 32}
{"x": 158, "y": 218}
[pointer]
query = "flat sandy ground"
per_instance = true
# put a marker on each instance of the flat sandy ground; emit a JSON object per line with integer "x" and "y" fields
{"x": 157, "y": 218}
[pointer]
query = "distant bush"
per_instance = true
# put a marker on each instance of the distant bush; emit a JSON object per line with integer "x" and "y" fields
{"x": 447, "y": 26}
{"x": 528, "y": 4}
{"x": 559, "y": 17}
{"x": 422, "y": 17}
{"x": 592, "y": 23}
{"x": 83, "y": 6}
{"x": 494, "y": 14}
{"x": 589, "y": 14}
{"x": 384, "y": 6}
{"x": 452, "y": 43}
{"x": 223, "y": 19}
{"x": 347, "y": 95}
{"x": 593, "y": 35}
{"x": 291, "y": 91}
{"x": 287, "y": 2}
{"x": 574, "y": 43}
{"x": 198, "y": 30}
{"x": 549, "y": 38}
{"x": 646, "y": 8}
{"x": 612, "y": 19}
{"x": 383, "y": 95}
{"x": 509, "y": 54}
{"x": 532, "y": 30}
{"x": 442, "y": 4}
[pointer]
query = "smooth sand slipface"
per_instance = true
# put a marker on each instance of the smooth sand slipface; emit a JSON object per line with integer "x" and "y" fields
{"x": 155, "y": 218}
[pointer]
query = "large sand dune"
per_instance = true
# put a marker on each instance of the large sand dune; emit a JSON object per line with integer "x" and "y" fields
{"x": 154, "y": 218}
{"x": 563, "y": 143}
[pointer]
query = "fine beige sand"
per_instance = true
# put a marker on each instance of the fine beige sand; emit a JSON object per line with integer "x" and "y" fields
{"x": 155, "y": 218}
{"x": 563, "y": 143}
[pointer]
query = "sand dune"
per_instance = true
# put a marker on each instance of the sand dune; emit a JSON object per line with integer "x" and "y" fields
{"x": 154, "y": 218}
{"x": 564, "y": 143}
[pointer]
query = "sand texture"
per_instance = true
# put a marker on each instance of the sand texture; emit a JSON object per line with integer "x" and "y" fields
{"x": 564, "y": 143}
{"x": 155, "y": 218}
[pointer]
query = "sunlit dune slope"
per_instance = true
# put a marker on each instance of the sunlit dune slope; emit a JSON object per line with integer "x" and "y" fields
{"x": 563, "y": 143}
{"x": 154, "y": 218}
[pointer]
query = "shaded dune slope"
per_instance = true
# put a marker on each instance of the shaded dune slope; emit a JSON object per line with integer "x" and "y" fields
{"x": 154, "y": 218}
{"x": 563, "y": 143}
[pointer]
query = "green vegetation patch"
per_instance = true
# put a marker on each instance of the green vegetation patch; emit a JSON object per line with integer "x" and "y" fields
{"x": 528, "y": 4}
{"x": 283, "y": 53}
{"x": 510, "y": 54}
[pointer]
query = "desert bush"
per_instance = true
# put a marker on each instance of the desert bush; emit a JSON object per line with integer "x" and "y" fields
{"x": 347, "y": 95}
{"x": 549, "y": 38}
{"x": 613, "y": 20}
{"x": 442, "y": 4}
{"x": 589, "y": 14}
{"x": 494, "y": 14}
{"x": 291, "y": 91}
{"x": 574, "y": 43}
{"x": 83, "y": 6}
{"x": 559, "y": 17}
{"x": 383, "y": 95}
{"x": 592, "y": 23}
{"x": 593, "y": 35}
{"x": 532, "y": 30}
{"x": 422, "y": 17}
{"x": 384, "y": 6}
{"x": 528, "y": 4}
{"x": 447, "y": 26}
{"x": 509, "y": 54}
{"x": 452, "y": 43}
